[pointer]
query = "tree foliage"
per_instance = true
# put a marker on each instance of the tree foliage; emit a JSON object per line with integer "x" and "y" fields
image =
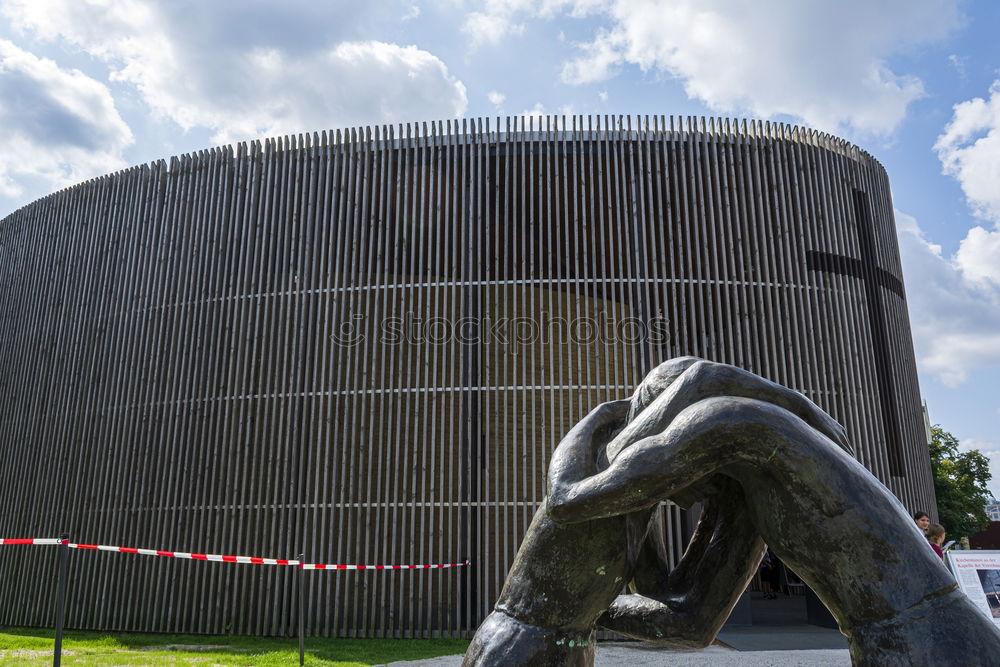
{"x": 960, "y": 482}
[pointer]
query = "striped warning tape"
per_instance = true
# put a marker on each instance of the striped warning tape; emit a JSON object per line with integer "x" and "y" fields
{"x": 30, "y": 540}
{"x": 435, "y": 566}
{"x": 220, "y": 558}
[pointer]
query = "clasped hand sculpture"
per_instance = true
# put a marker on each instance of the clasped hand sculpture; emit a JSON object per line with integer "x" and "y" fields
{"x": 769, "y": 467}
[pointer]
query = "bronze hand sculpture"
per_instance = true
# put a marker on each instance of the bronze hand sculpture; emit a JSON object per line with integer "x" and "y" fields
{"x": 770, "y": 467}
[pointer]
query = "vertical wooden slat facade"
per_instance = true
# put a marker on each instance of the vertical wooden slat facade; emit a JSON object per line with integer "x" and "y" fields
{"x": 365, "y": 345}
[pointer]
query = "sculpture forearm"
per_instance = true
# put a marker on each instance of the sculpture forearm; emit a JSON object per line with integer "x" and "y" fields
{"x": 575, "y": 458}
{"x": 650, "y": 620}
{"x": 700, "y": 592}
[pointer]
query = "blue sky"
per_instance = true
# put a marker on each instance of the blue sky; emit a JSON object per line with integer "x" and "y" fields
{"x": 91, "y": 86}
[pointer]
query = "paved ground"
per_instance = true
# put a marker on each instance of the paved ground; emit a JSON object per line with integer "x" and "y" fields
{"x": 634, "y": 654}
{"x": 794, "y": 645}
{"x": 782, "y": 638}
{"x": 778, "y": 638}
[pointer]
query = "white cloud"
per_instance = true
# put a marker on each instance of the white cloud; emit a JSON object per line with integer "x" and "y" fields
{"x": 496, "y": 98}
{"x": 252, "y": 68}
{"x": 599, "y": 62}
{"x": 498, "y": 18}
{"x": 955, "y": 319}
{"x": 539, "y": 112}
{"x": 978, "y": 256}
{"x": 969, "y": 149}
{"x": 412, "y": 11}
{"x": 58, "y": 125}
{"x": 536, "y": 111}
{"x": 824, "y": 63}
{"x": 489, "y": 27}
{"x": 958, "y": 62}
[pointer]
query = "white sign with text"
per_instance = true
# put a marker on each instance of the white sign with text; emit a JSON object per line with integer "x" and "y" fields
{"x": 978, "y": 575}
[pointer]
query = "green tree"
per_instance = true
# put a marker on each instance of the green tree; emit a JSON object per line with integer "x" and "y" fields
{"x": 960, "y": 480}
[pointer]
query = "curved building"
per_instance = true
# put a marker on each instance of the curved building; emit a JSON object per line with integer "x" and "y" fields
{"x": 365, "y": 345}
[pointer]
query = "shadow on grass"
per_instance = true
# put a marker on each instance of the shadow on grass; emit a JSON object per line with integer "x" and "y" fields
{"x": 238, "y": 648}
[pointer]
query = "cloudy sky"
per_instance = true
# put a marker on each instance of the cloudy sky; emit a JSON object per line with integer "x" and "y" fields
{"x": 91, "y": 86}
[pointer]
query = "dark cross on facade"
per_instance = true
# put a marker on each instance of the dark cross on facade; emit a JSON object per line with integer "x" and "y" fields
{"x": 875, "y": 278}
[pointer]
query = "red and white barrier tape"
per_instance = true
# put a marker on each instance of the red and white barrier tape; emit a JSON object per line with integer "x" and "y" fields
{"x": 435, "y": 566}
{"x": 30, "y": 540}
{"x": 219, "y": 558}
{"x": 250, "y": 560}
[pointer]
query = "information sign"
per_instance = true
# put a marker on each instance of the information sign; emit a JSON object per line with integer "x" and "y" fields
{"x": 978, "y": 575}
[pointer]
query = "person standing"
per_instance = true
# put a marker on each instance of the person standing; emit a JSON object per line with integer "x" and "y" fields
{"x": 935, "y": 535}
{"x": 770, "y": 576}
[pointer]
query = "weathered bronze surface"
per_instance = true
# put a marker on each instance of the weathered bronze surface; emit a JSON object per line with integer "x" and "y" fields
{"x": 770, "y": 467}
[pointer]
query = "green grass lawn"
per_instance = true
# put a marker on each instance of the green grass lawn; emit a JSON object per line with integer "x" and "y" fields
{"x": 34, "y": 647}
